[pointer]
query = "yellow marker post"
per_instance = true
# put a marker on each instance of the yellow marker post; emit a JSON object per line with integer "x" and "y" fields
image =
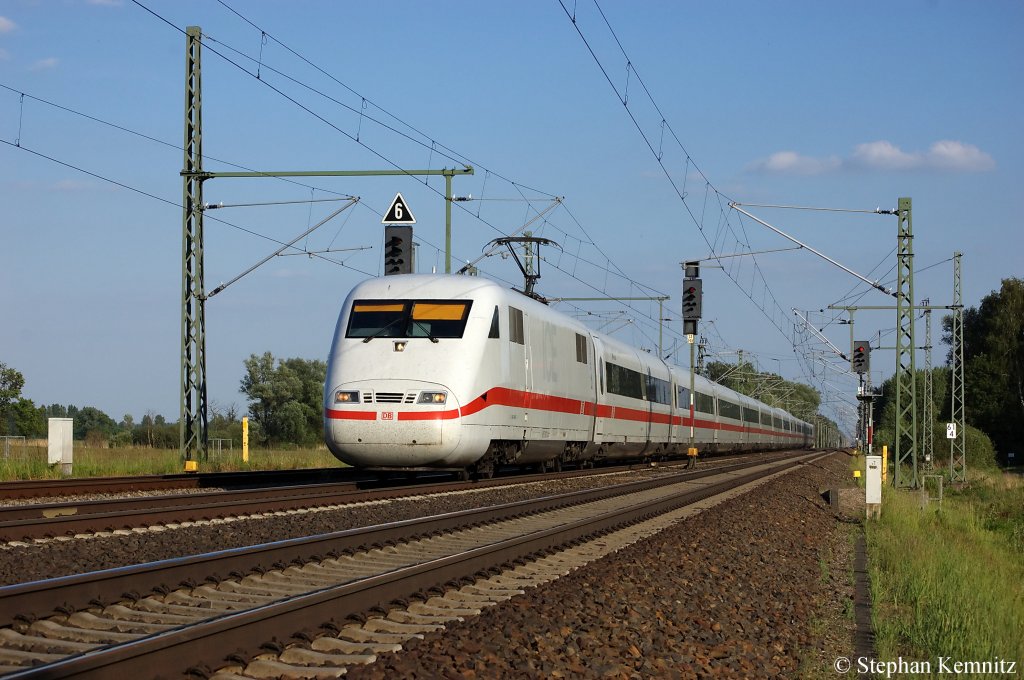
{"x": 885, "y": 462}
{"x": 245, "y": 439}
{"x": 191, "y": 466}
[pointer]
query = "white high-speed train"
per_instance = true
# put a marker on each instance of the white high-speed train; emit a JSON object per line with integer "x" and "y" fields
{"x": 434, "y": 371}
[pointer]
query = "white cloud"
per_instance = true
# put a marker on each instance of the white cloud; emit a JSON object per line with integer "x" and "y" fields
{"x": 952, "y": 155}
{"x": 44, "y": 64}
{"x": 792, "y": 163}
{"x": 945, "y": 155}
{"x": 883, "y": 155}
{"x": 6, "y": 25}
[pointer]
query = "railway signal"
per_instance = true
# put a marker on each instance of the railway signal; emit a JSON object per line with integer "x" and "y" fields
{"x": 861, "y": 360}
{"x": 397, "y": 250}
{"x": 692, "y": 299}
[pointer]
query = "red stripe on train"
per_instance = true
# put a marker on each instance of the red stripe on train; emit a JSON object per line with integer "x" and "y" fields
{"x": 504, "y": 396}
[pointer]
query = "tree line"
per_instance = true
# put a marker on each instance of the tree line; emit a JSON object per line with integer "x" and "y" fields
{"x": 285, "y": 408}
{"x": 20, "y": 416}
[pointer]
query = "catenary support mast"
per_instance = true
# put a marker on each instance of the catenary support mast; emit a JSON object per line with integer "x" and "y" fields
{"x": 193, "y": 422}
{"x": 905, "y": 472}
{"x": 957, "y": 445}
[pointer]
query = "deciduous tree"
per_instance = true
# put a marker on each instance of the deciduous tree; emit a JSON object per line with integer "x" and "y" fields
{"x": 285, "y": 398}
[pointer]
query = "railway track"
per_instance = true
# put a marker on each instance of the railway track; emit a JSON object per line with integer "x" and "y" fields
{"x": 37, "y": 521}
{"x": 55, "y": 488}
{"x": 323, "y": 601}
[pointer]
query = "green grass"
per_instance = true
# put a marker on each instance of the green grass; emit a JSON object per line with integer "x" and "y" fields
{"x": 950, "y": 582}
{"x": 30, "y": 462}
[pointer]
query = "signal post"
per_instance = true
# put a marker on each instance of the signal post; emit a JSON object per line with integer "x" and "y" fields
{"x": 693, "y": 298}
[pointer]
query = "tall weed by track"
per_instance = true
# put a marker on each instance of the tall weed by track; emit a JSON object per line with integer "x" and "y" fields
{"x": 949, "y": 581}
{"x": 30, "y": 462}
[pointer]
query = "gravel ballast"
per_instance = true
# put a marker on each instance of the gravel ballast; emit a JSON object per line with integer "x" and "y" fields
{"x": 757, "y": 586}
{"x": 22, "y": 563}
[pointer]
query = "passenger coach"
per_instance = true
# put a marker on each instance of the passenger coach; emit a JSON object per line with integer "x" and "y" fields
{"x": 456, "y": 372}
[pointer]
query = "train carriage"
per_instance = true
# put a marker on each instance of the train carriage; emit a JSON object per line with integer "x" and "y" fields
{"x": 456, "y": 372}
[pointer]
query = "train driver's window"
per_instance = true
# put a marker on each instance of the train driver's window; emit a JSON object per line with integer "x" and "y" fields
{"x": 377, "y": 319}
{"x": 438, "y": 319}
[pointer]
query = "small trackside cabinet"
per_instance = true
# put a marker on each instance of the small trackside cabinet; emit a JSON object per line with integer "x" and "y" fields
{"x": 60, "y": 445}
{"x": 873, "y": 481}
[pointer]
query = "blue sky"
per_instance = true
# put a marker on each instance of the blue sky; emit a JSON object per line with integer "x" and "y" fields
{"x": 834, "y": 105}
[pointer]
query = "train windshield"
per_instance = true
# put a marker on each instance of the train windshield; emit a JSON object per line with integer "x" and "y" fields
{"x": 408, "y": 318}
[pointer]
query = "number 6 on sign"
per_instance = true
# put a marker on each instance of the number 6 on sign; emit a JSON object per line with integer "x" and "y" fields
{"x": 399, "y": 212}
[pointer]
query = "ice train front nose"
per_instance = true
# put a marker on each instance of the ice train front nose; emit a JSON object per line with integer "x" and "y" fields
{"x": 393, "y": 424}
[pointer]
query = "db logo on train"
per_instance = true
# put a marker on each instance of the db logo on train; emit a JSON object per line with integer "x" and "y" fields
{"x": 387, "y": 415}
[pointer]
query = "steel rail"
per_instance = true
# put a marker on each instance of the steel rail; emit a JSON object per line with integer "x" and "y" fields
{"x": 210, "y": 642}
{"x": 109, "y": 585}
{"x": 36, "y": 488}
{"x": 27, "y": 522}
{"x": 45, "y": 488}
{"x": 42, "y": 520}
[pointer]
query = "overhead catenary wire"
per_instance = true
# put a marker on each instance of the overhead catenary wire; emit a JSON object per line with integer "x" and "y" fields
{"x": 609, "y": 267}
{"x": 519, "y": 187}
{"x": 277, "y": 252}
{"x": 758, "y": 281}
{"x": 876, "y": 211}
{"x": 681, "y": 193}
{"x": 167, "y": 201}
{"x": 488, "y": 172}
{"x": 450, "y": 153}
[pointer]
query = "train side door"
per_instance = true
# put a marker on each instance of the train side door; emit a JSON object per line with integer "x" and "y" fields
{"x": 651, "y": 391}
{"x": 600, "y": 419}
{"x": 592, "y": 394}
{"x": 518, "y": 366}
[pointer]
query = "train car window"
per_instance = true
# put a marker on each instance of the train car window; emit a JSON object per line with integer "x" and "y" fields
{"x": 408, "y": 319}
{"x": 682, "y": 397}
{"x": 624, "y": 381}
{"x": 433, "y": 319}
{"x": 659, "y": 391}
{"x": 494, "y": 332}
{"x": 377, "y": 319}
{"x": 777, "y": 422}
{"x": 581, "y": 348}
{"x": 600, "y": 372}
{"x": 750, "y": 415}
{"x": 766, "y": 418}
{"x": 705, "y": 403}
{"x": 515, "y": 326}
{"x": 730, "y": 410}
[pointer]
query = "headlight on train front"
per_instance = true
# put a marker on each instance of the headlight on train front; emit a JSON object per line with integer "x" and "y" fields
{"x": 346, "y": 397}
{"x": 432, "y": 398}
